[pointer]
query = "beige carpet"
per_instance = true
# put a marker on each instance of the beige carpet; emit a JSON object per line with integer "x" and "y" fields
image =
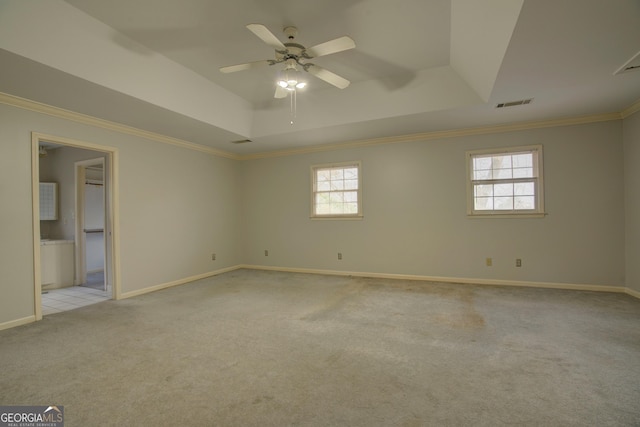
{"x": 253, "y": 348}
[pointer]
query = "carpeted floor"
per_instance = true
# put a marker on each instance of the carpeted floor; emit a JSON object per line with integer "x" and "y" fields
{"x": 256, "y": 348}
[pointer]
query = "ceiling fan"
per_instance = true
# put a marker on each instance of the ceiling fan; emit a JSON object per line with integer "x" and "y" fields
{"x": 295, "y": 55}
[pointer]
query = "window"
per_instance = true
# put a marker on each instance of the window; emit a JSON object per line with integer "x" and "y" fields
{"x": 507, "y": 181}
{"x": 336, "y": 191}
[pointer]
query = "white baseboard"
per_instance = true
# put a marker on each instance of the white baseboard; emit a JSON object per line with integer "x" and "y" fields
{"x": 177, "y": 282}
{"x": 462, "y": 280}
{"x": 633, "y": 292}
{"x": 549, "y": 285}
{"x": 17, "y": 322}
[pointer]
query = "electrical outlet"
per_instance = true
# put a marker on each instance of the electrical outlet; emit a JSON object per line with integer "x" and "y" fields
{"x": 339, "y": 255}
{"x": 518, "y": 262}
{"x": 266, "y": 252}
{"x": 213, "y": 257}
{"x": 489, "y": 262}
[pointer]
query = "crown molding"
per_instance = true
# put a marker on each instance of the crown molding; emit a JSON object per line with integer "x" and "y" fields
{"x": 632, "y": 109}
{"x": 38, "y": 107}
{"x": 429, "y": 136}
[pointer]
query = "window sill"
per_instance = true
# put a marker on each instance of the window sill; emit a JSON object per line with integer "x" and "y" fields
{"x": 508, "y": 215}
{"x": 338, "y": 217}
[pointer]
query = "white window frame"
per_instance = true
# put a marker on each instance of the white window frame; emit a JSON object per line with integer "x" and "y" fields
{"x": 342, "y": 165}
{"x": 538, "y": 181}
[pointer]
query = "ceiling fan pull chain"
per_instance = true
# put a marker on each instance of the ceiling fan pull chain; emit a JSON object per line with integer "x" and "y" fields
{"x": 293, "y": 105}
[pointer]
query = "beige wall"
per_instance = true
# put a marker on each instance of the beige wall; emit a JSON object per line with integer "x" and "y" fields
{"x": 176, "y": 207}
{"x": 415, "y": 212}
{"x": 631, "y": 137}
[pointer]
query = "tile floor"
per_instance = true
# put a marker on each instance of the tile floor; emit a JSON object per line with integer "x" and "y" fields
{"x": 95, "y": 280}
{"x": 65, "y": 299}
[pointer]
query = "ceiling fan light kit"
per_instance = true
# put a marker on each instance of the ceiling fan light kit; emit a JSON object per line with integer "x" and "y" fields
{"x": 290, "y": 78}
{"x": 293, "y": 55}
{"x": 290, "y": 83}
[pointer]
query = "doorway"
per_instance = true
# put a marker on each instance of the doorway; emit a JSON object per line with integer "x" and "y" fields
{"x": 87, "y": 216}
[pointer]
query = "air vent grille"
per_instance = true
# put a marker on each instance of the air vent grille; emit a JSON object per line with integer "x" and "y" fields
{"x": 514, "y": 103}
{"x": 241, "y": 141}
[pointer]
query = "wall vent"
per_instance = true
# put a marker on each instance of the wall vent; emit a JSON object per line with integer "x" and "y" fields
{"x": 514, "y": 103}
{"x": 632, "y": 64}
{"x": 241, "y": 141}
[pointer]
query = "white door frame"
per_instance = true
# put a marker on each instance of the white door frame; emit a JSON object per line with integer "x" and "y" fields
{"x": 111, "y": 217}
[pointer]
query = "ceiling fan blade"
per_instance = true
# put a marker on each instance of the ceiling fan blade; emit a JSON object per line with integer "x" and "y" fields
{"x": 266, "y": 36}
{"x": 280, "y": 92}
{"x": 246, "y": 66}
{"x": 332, "y": 46}
{"x": 328, "y": 76}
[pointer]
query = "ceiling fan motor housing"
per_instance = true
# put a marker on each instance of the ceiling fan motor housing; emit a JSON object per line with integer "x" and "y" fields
{"x": 290, "y": 32}
{"x": 294, "y": 51}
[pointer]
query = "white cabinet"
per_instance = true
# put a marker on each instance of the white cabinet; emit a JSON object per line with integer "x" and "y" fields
{"x": 56, "y": 261}
{"x": 48, "y": 200}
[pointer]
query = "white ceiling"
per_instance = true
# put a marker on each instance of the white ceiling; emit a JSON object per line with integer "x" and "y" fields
{"x": 418, "y": 66}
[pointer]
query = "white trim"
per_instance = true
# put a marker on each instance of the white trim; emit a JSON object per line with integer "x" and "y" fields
{"x": 17, "y": 322}
{"x": 493, "y": 282}
{"x": 178, "y": 282}
{"x": 35, "y": 218}
{"x": 631, "y": 109}
{"x": 336, "y": 217}
{"x": 114, "y": 173}
{"x": 342, "y": 165}
{"x": 633, "y": 292}
{"x": 435, "y": 135}
{"x": 538, "y": 166}
{"x": 461, "y": 280}
{"x": 61, "y": 113}
{"x": 506, "y": 150}
{"x": 113, "y": 209}
{"x": 508, "y": 216}
{"x": 38, "y": 107}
